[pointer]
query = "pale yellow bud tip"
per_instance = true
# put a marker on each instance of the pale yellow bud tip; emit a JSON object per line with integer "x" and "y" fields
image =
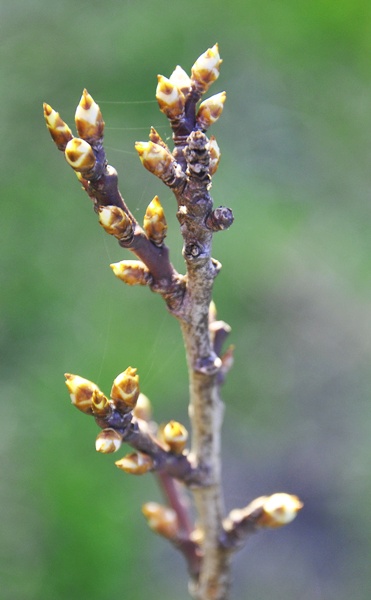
{"x": 281, "y": 509}
{"x": 175, "y": 435}
{"x": 135, "y": 463}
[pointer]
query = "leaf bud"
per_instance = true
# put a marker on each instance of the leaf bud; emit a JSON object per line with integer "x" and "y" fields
{"x": 175, "y": 435}
{"x": 82, "y": 391}
{"x": 88, "y": 119}
{"x": 206, "y": 69}
{"x": 214, "y": 152}
{"x": 154, "y": 157}
{"x": 154, "y": 223}
{"x": 58, "y": 129}
{"x": 136, "y": 463}
{"x": 125, "y": 390}
{"x": 280, "y": 509}
{"x": 180, "y": 78}
{"x": 108, "y": 441}
{"x": 210, "y": 110}
{"x": 132, "y": 272}
{"x": 79, "y": 155}
{"x": 143, "y": 409}
{"x": 115, "y": 221}
{"x": 170, "y": 98}
{"x": 161, "y": 519}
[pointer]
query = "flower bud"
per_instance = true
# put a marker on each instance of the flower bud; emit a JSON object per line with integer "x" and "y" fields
{"x": 132, "y": 272}
{"x": 155, "y": 224}
{"x": 155, "y": 137}
{"x": 58, "y": 129}
{"x": 79, "y": 155}
{"x": 88, "y": 119}
{"x": 161, "y": 519}
{"x": 210, "y": 110}
{"x": 214, "y": 152}
{"x": 101, "y": 406}
{"x": 169, "y": 97}
{"x": 180, "y": 78}
{"x": 82, "y": 391}
{"x": 125, "y": 390}
{"x": 108, "y": 441}
{"x": 280, "y": 509}
{"x": 115, "y": 221}
{"x": 206, "y": 69}
{"x": 175, "y": 436}
{"x": 142, "y": 409}
{"x": 136, "y": 463}
{"x": 154, "y": 157}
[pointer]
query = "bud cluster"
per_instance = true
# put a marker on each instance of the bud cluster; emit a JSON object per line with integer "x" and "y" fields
{"x": 80, "y": 152}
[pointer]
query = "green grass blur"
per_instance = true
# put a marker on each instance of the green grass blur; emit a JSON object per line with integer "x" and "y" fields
{"x": 295, "y": 287}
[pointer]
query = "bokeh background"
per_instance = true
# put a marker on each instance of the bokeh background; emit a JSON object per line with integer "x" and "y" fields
{"x": 295, "y": 287}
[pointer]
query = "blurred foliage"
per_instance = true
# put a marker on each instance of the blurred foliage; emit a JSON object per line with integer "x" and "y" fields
{"x": 295, "y": 286}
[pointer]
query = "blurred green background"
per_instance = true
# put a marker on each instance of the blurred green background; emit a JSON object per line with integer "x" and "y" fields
{"x": 295, "y": 287}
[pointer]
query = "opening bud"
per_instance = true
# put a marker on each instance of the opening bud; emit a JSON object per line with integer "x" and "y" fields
{"x": 125, "y": 390}
{"x": 175, "y": 435}
{"x": 108, "y": 441}
{"x": 210, "y": 110}
{"x": 88, "y": 118}
{"x": 58, "y": 129}
{"x": 154, "y": 223}
{"x": 280, "y": 509}
{"x": 154, "y": 157}
{"x": 132, "y": 272}
{"x": 100, "y": 404}
{"x": 79, "y": 155}
{"x": 180, "y": 78}
{"x": 161, "y": 519}
{"x": 206, "y": 69}
{"x": 115, "y": 221}
{"x": 135, "y": 463}
{"x": 170, "y": 98}
{"x": 82, "y": 391}
{"x": 215, "y": 154}
{"x": 143, "y": 409}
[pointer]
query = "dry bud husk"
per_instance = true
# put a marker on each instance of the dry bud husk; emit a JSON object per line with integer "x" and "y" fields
{"x": 132, "y": 272}
{"x": 88, "y": 119}
{"x": 136, "y": 463}
{"x": 170, "y": 98}
{"x": 108, "y": 441}
{"x": 82, "y": 391}
{"x": 125, "y": 390}
{"x": 206, "y": 69}
{"x": 79, "y": 155}
{"x": 161, "y": 519}
{"x": 175, "y": 435}
{"x": 154, "y": 223}
{"x": 58, "y": 129}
